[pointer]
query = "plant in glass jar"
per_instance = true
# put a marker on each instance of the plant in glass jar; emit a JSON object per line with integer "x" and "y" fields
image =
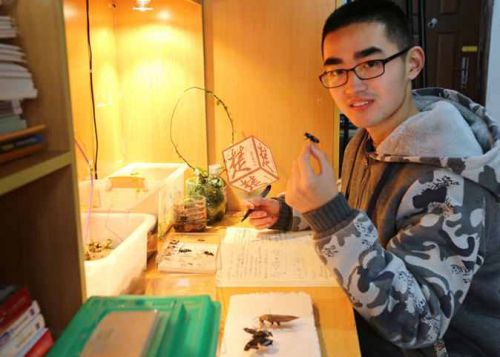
{"x": 213, "y": 188}
{"x": 206, "y": 182}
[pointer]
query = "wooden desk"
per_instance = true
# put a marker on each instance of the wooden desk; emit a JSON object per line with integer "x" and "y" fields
{"x": 333, "y": 311}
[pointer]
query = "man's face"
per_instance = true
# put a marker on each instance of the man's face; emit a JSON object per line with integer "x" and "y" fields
{"x": 367, "y": 103}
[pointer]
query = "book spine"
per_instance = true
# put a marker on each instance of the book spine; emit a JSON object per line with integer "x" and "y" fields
{"x": 42, "y": 345}
{"x": 6, "y": 291}
{"x": 30, "y": 140}
{"x": 16, "y": 326}
{"x": 11, "y": 124}
{"x": 23, "y": 338}
{"x": 10, "y": 107}
{"x": 16, "y": 107}
{"x": 13, "y": 307}
{"x": 20, "y": 152}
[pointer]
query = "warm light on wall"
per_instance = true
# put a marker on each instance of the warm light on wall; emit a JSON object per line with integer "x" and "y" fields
{"x": 70, "y": 11}
{"x": 142, "y": 5}
{"x": 164, "y": 15}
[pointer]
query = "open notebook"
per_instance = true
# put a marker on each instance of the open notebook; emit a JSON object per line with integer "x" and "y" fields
{"x": 248, "y": 257}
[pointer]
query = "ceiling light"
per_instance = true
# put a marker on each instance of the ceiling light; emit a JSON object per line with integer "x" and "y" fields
{"x": 142, "y": 5}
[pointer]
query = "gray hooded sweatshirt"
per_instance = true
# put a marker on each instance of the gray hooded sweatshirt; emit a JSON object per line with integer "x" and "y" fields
{"x": 414, "y": 238}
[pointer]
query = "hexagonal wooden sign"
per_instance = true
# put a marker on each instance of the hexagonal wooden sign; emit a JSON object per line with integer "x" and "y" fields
{"x": 249, "y": 164}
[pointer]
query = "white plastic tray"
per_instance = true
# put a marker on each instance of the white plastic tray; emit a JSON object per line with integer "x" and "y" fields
{"x": 112, "y": 274}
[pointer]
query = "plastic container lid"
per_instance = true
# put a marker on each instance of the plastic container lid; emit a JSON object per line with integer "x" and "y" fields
{"x": 187, "y": 326}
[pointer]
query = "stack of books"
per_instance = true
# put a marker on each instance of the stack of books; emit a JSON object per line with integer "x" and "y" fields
{"x": 22, "y": 326}
{"x": 21, "y": 143}
{"x": 16, "y": 84}
{"x": 16, "y": 81}
{"x": 10, "y": 116}
{"x": 7, "y": 29}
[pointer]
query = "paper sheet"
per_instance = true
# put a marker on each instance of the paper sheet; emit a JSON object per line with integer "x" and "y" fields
{"x": 187, "y": 257}
{"x": 248, "y": 257}
{"x": 297, "y": 338}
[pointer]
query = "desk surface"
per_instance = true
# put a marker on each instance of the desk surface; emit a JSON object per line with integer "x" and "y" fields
{"x": 333, "y": 311}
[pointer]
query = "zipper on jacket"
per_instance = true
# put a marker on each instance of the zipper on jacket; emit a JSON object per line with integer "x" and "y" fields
{"x": 364, "y": 180}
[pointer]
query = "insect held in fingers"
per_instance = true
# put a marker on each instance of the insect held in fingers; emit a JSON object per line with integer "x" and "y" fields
{"x": 311, "y": 137}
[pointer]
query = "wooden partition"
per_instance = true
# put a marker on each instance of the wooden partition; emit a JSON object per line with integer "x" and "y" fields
{"x": 263, "y": 58}
{"x": 142, "y": 63}
{"x": 40, "y": 245}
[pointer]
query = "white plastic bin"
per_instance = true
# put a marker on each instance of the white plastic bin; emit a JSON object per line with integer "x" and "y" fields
{"x": 107, "y": 199}
{"x": 164, "y": 183}
{"x": 168, "y": 182}
{"x": 112, "y": 274}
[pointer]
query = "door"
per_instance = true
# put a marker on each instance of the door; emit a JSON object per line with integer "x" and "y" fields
{"x": 455, "y": 37}
{"x": 455, "y": 47}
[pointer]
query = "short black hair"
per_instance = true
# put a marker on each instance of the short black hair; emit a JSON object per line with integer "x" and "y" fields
{"x": 382, "y": 11}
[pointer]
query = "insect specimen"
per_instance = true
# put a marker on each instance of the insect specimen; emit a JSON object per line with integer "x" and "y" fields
{"x": 311, "y": 137}
{"x": 260, "y": 338}
{"x": 276, "y": 319}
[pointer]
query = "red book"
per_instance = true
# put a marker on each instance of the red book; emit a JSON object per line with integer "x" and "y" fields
{"x": 13, "y": 306}
{"x": 42, "y": 346}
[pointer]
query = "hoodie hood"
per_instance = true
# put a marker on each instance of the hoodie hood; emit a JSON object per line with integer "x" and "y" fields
{"x": 450, "y": 131}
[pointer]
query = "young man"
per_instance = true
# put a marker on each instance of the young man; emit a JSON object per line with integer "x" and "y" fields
{"x": 413, "y": 238}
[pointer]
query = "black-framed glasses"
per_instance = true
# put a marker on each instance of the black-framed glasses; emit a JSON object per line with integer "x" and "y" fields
{"x": 364, "y": 70}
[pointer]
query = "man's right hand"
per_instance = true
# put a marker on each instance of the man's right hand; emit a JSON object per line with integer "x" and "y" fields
{"x": 266, "y": 211}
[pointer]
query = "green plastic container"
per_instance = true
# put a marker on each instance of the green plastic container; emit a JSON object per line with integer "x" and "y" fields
{"x": 188, "y": 326}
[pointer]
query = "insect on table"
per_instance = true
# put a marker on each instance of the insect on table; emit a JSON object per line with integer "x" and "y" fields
{"x": 259, "y": 338}
{"x": 276, "y": 319}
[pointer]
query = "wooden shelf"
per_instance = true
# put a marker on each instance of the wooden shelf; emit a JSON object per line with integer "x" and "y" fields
{"x": 26, "y": 170}
{"x": 40, "y": 239}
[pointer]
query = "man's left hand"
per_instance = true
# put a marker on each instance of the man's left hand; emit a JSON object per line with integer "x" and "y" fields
{"x": 307, "y": 190}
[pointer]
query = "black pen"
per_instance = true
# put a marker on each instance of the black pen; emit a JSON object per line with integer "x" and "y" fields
{"x": 262, "y": 194}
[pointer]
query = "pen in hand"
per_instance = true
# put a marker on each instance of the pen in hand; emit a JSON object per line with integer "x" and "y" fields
{"x": 262, "y": 194}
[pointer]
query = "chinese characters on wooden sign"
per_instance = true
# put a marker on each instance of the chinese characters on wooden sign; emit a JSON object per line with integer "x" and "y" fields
{"x": 249, "y": 164}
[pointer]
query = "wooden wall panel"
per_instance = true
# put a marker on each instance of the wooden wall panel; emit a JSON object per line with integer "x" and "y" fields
{"x": 142, "y": 61}
{"x": 106, "y": 84}
{"x": 107, "y": 87}
{"x": 159, "y": 55}
{"x": 76, "y": 44}
{"x": 263, "y": 59}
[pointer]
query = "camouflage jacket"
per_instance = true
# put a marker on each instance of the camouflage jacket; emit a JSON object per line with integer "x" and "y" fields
{"x": 414, "y": 240}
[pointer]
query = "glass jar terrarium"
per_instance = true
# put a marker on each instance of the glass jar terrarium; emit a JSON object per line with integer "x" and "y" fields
{"x": 207, "y": 184}
{"x": 213, "y": 188}
{"x": 190, "y": 214}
